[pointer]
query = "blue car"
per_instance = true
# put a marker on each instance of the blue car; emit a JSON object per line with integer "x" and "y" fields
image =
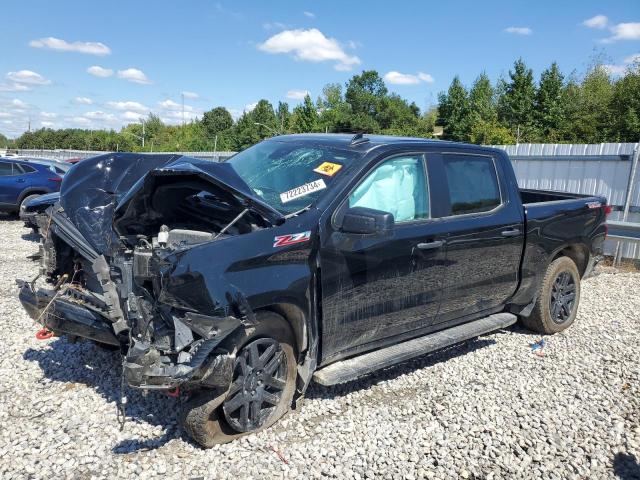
{"x": 22, "y": 180}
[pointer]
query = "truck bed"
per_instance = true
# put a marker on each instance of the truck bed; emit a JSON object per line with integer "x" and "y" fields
{"x": 530, "y": 196}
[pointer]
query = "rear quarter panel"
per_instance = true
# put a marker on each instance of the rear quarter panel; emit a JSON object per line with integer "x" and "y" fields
{"x": 550, "y": 228}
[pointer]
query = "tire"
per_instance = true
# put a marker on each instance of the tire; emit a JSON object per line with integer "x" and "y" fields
{"x": 547, "y": 317}
{"x": 205, "y": 416}
{"x": 24, "y": 201}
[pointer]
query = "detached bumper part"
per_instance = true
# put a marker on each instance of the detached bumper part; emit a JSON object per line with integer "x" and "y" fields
{"x": 147, "y": 367}
{"x": 64, "y": 316}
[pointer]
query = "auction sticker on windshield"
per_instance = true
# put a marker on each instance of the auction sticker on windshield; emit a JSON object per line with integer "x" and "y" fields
{"x": 328, "y": 168}
{"x": 302, "y": 190}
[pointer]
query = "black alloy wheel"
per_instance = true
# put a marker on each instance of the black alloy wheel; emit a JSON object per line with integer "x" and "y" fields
{"x": 259, "y": 378}
{"x": 562, "y": 298}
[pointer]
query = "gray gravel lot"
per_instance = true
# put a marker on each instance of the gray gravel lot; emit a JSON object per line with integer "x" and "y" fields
{"x": 489, "y": 408}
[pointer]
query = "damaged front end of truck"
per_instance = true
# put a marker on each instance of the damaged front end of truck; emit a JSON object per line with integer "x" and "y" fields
{"x": 134, "y": 256}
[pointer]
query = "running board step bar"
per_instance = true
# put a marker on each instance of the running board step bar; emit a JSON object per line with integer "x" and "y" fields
{"x": 352, "y": 368}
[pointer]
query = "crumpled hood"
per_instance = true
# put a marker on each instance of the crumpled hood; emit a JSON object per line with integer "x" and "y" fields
{"x": 91, "y": 188}
{"x": 98, "y": 189}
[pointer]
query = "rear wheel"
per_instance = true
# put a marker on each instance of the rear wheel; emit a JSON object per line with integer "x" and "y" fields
{"x": 261, "y": 390}
{"x": 558, "y": 298}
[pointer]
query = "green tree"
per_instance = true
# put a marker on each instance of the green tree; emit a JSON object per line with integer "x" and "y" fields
{"x": 283, "y": 117}
{"x": 304, "y": 118}
{"x": 625, "y": 106}
{"x": 365, "y": 91}
{"x": 256, "y": 125}
{"x": 335, "y": 112}
{"x": 592, "y": 120}
{"x": 453, "y": 108}
{"x": 482, "y": 106}
{"x": 216, "y": 121}
{"x": 550, "y": 105}
{"x": 399, "y": 117}
{"x": 4, "y": 141}
{"x": 516, "y": 105}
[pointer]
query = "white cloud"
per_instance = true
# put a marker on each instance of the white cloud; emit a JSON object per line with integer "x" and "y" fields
{"x": 81, "y": 121}
{"x": 624, "y": 31}
{"x": 18, "y": 104}
{"x": 98, "y": 71}
{"x": 131, "y": 116}
{"x": 311, "y": 46}
{"x": 128, "y": 105}
{"x": 134, "y": 75}
{"x": 619, "y": 70}
{"x": 397, "y": 78}
{"x": 47, "y": 124}
{"x": 599, "y": 21}
{"x": 635, "y": 58}
{"x": 83, "y": 100}
{"x": 100, "y": 115}
{"x": 274, "y": 25}
{"x": 190, "y": 95}
{"x": 616, "y": 70}
{"x": 170, "y": 105}
{"x": 309, "y": 14}
{"x": 51, "y": 43}
{"x": 5, "y": 115}
{"x": 48, "y": 115}
{"x": 297, "y": 94}
{"x": 27, "y": 77}
{"x": 519, "y": 30}
{"x": 250, "y": 106}
{"x": 14, "y": 87}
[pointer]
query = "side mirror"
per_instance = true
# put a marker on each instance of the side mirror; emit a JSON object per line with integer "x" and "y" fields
{"x": 366, "y": 220}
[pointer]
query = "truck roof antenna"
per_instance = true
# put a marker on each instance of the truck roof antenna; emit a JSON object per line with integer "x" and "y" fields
{"x": 358, "y": 138}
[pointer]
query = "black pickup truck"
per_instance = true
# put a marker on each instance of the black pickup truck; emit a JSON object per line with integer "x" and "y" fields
{"x": 304, "y": 257}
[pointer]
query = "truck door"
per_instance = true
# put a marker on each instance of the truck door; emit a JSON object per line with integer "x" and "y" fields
{"x": 375, "y": 286}
{"x": 485, "y": 236}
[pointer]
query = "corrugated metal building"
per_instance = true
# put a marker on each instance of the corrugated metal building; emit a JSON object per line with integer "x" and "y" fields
{"x": 597, "y": 169}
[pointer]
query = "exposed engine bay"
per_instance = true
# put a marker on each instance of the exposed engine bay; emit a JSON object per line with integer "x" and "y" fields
{"x": 126, "y": 286}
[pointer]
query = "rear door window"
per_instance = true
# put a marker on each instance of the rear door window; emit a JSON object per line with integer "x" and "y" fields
{"x": 5, "y": 169}
{"x": 473, "y": 183}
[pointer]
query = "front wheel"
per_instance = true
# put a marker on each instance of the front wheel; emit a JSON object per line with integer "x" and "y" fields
{"x": 261, "y": 390}
{"x": 558, "y": 298}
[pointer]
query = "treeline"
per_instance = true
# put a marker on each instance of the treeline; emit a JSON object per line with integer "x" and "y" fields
{"x": 555, "y": 109}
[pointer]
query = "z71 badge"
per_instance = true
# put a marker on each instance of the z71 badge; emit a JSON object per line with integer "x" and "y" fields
{"x": 292, "y": 239}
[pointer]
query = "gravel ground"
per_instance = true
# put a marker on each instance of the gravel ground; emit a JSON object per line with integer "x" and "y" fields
{"x": 489, "y": 408}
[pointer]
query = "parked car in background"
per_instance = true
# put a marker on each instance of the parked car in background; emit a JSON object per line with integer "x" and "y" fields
{"x": 24, "y": 179}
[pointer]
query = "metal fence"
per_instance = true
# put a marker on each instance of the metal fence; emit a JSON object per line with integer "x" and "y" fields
{"x": 63, "y": 155}
{"x": 596, "y": 169}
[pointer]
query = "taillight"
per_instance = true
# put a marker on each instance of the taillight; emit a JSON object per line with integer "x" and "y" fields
{"x": 55, "y": 179}
{"x": 608, "y": 209}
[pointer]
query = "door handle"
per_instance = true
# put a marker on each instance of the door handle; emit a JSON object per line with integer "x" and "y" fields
{"x": 514, "y": 232}
{"x": 430, "y": 245}
{"x": 20, "y": 180}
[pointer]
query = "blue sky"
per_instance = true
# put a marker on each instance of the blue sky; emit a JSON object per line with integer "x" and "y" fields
{"x": 235, "y": 53}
